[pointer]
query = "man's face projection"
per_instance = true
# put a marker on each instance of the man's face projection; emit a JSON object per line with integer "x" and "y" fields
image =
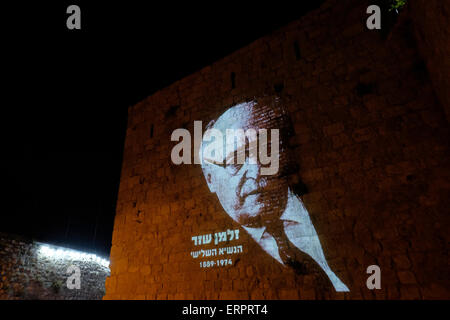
{"x": 247, "y": 194}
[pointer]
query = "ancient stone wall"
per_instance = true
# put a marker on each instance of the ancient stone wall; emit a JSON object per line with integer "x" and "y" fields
{"x": 28, "y": 273}
{"x": 370, "y": 143}
{"x": 431, "y": 23}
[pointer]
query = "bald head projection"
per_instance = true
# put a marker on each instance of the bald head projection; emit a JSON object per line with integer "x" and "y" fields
{"x": 244, "y": 158}
{"x": 241, "y": 164}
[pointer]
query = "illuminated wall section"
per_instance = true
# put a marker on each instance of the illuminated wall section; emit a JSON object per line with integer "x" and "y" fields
{"x": 361, "y": 176}
{"x": 31, "y": 270}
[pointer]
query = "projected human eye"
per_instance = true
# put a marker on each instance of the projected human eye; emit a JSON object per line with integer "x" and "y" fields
{"x": 215, "y": 162}
{"x": 233, "y": 168}
{"x": 238, "y": 158}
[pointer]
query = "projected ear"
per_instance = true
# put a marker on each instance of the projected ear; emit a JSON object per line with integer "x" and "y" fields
{"x": 209, "y": 182}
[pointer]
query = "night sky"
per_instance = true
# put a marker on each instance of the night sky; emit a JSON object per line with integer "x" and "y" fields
{"x": 66, "y": 94}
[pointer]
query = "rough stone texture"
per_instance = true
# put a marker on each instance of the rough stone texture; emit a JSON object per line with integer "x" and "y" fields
{"x": 26, "y": 274}
{"x": 431, "y": 21}
{"x": 371, "y": 145}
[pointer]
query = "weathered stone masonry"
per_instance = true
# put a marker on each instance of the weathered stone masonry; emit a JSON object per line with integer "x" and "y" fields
{"x": 27, "y": 274}
{"x": 370, "y": 142}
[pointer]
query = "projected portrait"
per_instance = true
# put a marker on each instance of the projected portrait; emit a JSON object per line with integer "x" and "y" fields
{"x": 244, "y": 158}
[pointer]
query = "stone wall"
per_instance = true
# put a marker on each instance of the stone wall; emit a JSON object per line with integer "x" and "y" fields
{"x": 26, "y": 273}
{"x": 371, "y": 146}
{"x": 431, "y": 22}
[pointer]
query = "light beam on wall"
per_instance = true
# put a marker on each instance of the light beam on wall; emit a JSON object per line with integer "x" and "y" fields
{"x": 59, "y": 253}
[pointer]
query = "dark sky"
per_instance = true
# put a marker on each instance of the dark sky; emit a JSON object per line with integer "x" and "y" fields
{"x": 66, "y": 94}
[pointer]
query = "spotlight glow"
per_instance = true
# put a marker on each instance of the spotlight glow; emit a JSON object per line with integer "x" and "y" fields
{"x": 69, "y": 254}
